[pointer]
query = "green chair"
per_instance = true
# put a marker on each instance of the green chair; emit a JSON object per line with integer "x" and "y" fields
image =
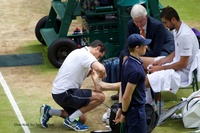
{"x": 195, "y": 85}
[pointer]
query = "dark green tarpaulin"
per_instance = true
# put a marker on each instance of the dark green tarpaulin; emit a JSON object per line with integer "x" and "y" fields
{"x": 21, "y": 60}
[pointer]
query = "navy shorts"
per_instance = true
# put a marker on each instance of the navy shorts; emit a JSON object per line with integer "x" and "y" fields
{"x": 73, "y": 99}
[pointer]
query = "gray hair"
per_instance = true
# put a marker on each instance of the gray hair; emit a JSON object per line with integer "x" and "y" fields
{"x": 138, "y": 11}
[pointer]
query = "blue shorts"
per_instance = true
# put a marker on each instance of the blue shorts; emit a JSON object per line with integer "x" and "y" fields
{"x": 73, "y": 99}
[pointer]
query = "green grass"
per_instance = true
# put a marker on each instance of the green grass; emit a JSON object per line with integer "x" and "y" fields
{"x": 188, "y": 10}
{"x": 29, "y": 100}
{"x": 35, "y": 47}
{"x": 9, "y": 122}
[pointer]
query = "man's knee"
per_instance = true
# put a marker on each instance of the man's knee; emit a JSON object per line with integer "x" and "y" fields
{"x": 101, "y": 97}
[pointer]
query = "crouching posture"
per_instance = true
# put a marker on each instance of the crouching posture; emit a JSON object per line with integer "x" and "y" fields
{"x": 66, "y": 90}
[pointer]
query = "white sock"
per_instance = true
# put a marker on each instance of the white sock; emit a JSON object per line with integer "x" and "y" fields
{"x": 75, "y": 115}
{"x": 55, "y": 112}
{"x": 149, "y": 98}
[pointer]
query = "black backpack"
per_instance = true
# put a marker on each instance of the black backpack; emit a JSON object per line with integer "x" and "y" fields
{"x": 113, "y": 111}
{"x": 151, "y": 115}
{"x": 152, "y": 118}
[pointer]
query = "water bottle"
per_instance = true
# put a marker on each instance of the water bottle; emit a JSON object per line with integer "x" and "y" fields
{"x": 160, "y": 105}
{"x": 77, "y": 39}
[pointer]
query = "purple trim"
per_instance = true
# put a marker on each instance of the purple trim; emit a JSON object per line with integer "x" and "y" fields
{"x": 197, "y": 33}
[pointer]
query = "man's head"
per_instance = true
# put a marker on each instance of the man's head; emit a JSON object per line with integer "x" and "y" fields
{"x": 139, "y": 15}
{"x": 169, "y": 17}
{"x": 98, "y": 49}
{"x": 137, "y": 41}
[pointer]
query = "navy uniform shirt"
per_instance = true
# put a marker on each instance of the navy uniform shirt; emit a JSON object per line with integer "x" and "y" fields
{"x": 133, "y": 72}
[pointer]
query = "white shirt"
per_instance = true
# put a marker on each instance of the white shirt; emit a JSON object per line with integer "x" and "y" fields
{"x": 186, "y": 44}
{"x": 73, "y": 71}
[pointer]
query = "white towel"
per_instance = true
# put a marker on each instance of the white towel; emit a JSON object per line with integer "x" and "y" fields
{"x": 170, "y": 80}
{"x": 164, "y": 80}
{"x": 198, "y": 66}
{"x": 195, "y": 65}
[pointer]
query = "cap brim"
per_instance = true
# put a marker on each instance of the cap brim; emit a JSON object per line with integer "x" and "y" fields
{"x": 147, "y": 42}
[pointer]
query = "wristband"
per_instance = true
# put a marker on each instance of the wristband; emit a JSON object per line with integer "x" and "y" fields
{"x": 124, "y": 113}
{"x": 120, "y": 105}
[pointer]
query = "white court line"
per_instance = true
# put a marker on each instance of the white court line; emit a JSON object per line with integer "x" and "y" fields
{"x": 14, "y": 104}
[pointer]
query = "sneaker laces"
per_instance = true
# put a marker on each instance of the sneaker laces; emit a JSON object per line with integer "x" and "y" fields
{"x": 80, "y": 125}
{"x": 77, "y": 125}
{"x": 46, "y": 116}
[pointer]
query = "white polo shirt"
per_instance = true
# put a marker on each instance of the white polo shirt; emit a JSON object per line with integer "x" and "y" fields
{"x": 186, "y": 44}
{"x": 73, "y": 71}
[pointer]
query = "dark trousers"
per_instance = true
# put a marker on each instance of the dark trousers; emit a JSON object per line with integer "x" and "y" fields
{"x": 136, "y": 120}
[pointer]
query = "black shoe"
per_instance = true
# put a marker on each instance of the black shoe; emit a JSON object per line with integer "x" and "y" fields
{"x": 115, "y": 97}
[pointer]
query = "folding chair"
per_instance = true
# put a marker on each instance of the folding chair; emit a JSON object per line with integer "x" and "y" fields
{"x": 194, "y": 84}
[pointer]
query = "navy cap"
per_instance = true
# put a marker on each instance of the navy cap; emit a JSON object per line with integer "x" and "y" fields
{"x": 136, "y": 40}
